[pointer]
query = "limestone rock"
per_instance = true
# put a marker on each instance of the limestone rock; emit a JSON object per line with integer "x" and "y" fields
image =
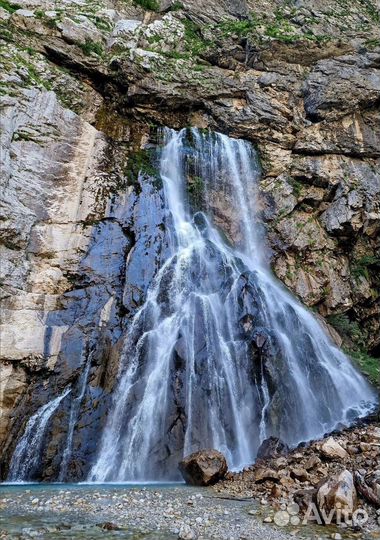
{"x": 335, "y": 483}
{"x": 208, "y": 13}
{"x": 373, "y": 480}
{"x": 263, "y": 474}
{"x": 299, "y": 474}
{"x": 186, "y": 533}
{"x": 203, "y": 468}
{"x": 330, "y": 449}
{"x": 56, "y": 237}
{"x": 355, "y": 135}
{"x": 342, "y": 84}
{"x": 369, "y": 486}
{"x": 125, "y": 33}
{"x": 54, "y": 200}
{"x": 302, "y": 232}
{"x": 13, "y": 383}
{"x": 4, "y": 14}
{"x": 338, "y": 492}
{"x": 312, "y": 462}
{"x": 80, "y": 31}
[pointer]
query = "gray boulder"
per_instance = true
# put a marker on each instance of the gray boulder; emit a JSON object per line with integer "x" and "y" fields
{"x": 203, "y": 468}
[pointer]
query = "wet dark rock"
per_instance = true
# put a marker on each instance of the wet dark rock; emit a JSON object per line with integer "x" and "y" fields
{"x": 108, "y": 526}
{"x": 203, "y": 468}
{"x": 304, "y": 497}
{"x": 260, "y": 337}
{"x": 149, "y": 251}
{"x": 369, "y": 486}
{"x": 272, "y": 447}
{"x": 248, "y": 300}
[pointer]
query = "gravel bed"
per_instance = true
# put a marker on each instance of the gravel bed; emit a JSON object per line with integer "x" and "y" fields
{"x": 164, "y": 513}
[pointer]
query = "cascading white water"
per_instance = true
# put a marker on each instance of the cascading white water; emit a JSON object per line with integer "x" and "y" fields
{"x": 220, "y": 355}
{"x": 27, "y": 453}
{"x": 73, "y": 418}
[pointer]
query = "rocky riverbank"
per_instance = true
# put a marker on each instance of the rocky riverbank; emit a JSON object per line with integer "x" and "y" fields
{"x": 272, "y": 499}
{"x": 159, "y": 513}
{"x": 338, "y": 473}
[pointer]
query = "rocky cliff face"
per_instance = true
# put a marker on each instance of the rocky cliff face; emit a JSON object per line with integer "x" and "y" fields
{"x": 84, "y": 86}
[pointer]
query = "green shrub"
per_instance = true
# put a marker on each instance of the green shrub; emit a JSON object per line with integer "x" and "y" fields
{"x": 371, "y": 9}
{"x": 372, "y": 43}
{"x": 102, "y": 24}
{"x": 92, "y": 47}
{"x": 240, "y": 28}
{"x": 176, "y": 6}
{"x": 296, "y": 185}
{"x": 149, "y": 5}
{"x": 194, "y": 41}
{"x": 369, "y": 365}
{"x": 142, "y": 161}
{"x": 51, "y": 23}
{"x": 176, "y": 55}
{"x": 348, "y": 329}
{"x": 9, "y": 6}
{"x": 351, "y": 333}
{"x": 196, "y": 190}
{"x": 362, "y": 266}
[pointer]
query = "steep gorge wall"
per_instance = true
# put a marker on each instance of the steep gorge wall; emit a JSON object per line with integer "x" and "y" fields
{"x": 84, "y": 86}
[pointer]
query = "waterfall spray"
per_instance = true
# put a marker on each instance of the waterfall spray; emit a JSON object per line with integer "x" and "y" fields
{"x": 27, "y": 453}
{"x": 220, "y": 354}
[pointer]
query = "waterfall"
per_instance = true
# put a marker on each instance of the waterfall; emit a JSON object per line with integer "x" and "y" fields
{"x": 73, "y": 419}
{"x": 220, "y": 355}
{"x": 28, "y": 450}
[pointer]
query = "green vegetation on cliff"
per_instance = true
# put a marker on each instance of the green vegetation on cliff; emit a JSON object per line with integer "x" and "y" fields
{"x": 9, "y": 6}
{"x": 364, "y": 265}
{"x": 92, "y": 47}
{"x": 196, "y": 190}
{"x": 369, "y": 365}
{"x": 149, "y": 5}
{"x": 355, "y": 346}
{"x": 141, "y": 162}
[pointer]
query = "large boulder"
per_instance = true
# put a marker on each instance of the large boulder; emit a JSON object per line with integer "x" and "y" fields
{"x": 263, "y": 474}
{"x": 369, "y": 486}
{"x": 331, "y": 449}
{"x": 271, "y": 448}
{"x": 338, "y": 492}
{"x": 203, "y": 468}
